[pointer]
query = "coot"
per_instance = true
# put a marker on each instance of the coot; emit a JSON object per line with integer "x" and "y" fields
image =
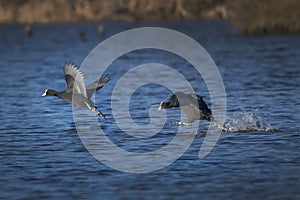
{"x": 77, "y": 93}
{"x": 192, "y": 105}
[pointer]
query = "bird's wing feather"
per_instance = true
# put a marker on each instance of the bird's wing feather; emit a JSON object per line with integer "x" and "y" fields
{"x": 191, "y": 111}
{"x": 96, "y": 85}
{"x": 201, "y": 103}
{"x": 74, "y": 79}
{"x": 174, "y": 101}
{"x": 192, "y": 105}
{"x": 186, "y": 99}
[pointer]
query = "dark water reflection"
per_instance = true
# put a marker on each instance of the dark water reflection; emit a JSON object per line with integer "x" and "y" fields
{"x": 43, "y": 157}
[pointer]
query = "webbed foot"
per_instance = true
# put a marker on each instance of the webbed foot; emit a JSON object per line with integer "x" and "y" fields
{"x": 182, "y": 123}
{"x": 100, "y": 114}
{"x": 220, "y": 126}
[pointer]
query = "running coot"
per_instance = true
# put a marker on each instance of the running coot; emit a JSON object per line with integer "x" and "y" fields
{"x": 192, "y": 105}
{"x": 77, "y": 93}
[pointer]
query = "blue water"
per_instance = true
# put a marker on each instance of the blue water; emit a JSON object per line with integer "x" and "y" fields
{"x": 42, "y": 155}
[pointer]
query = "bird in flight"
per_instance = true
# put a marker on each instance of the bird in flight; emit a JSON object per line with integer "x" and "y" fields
{"x": 77, "y": 93}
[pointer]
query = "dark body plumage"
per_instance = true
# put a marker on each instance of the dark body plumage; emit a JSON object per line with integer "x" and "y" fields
{"x": 77, "y": 93}
{"x": 192, "y": 105}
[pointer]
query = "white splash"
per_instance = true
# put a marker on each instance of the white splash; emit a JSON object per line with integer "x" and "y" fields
{"x": 242, "y": 121}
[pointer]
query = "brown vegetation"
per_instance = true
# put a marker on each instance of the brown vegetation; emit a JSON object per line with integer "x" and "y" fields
{"x": 248, "y": 16}
{"x": 59, "y": 11}
{"x": 266, "y": 16}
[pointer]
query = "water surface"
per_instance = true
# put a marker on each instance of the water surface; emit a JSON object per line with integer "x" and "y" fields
{"x": 43, "y": 157}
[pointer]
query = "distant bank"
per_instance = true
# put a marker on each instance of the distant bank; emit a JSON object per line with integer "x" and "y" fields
{"x": 248, "y": 16}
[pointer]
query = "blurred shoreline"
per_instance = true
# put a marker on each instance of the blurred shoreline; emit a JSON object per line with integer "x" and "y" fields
{"x": 249, "y": 17}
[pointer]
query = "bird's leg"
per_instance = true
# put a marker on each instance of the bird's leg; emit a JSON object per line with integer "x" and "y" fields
{"x": 100, "y": 114}
{"x": 219, "y": 125}
{"x": 182, "y": 123}
{"x": 94, "y": 109}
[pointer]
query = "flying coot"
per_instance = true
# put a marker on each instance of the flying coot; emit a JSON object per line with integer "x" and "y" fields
{"x": 77, "y": 93}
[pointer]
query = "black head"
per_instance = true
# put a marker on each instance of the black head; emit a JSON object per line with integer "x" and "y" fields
{"x": 50, "y": 92}
{"x": 163, "y": 105}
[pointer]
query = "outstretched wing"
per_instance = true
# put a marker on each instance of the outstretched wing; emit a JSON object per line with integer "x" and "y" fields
{"x": 187, "y": 104}
{"x": 96, "y": 85}
{"x": 74, "y": 79}
{"x": 201, "y": 104}
{"x": 193, "y": 106}
{"x": 173, "y": 101}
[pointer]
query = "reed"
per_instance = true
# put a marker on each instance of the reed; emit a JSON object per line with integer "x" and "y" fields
{"x": 247, "y": 16}
{"x": 62, "y": 11}
{"x": 265, "y": 16}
